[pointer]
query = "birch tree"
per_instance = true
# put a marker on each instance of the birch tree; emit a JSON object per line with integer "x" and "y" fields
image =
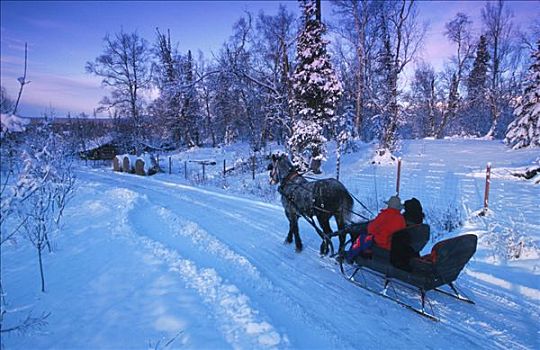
{"x": 124, "y": 69}
{"x": 401, "y": 35}
{"x": 458, "y": 31}
{"x": 498, "y": 30}
{"x": 357, "y": 24}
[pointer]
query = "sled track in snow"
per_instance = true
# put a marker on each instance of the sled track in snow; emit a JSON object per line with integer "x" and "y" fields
{"x": 226, "y": 258}
{"x": 239, "y": 322}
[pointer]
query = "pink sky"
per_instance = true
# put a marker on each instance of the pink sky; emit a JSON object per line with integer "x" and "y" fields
{"x": 63, "y": 36}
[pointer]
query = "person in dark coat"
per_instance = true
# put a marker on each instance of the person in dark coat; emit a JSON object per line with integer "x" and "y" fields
{"x": 413, "y": 213}
{"x": 402, "y": 251}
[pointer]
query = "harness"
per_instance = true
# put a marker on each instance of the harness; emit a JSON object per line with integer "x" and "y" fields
{"x": 355, "y": 198}
{"x": 291, "y": 175}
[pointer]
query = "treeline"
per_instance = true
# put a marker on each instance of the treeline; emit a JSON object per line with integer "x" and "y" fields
{"x": 266, "y": 84}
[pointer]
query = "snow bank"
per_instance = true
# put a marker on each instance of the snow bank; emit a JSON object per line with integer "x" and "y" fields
{"x": 383, "y": 157}
{"x": 13, "y": 123}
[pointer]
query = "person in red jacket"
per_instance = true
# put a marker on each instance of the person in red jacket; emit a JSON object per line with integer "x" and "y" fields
{"x": 379, "y": 230}
{"x": 386, "y": 223}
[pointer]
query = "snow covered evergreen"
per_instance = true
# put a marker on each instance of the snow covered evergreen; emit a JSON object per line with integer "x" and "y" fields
{"x": 190, "y": 108}
{"x": 316, "y": 92}
{"x": 477, "y": 90}
{"x": 166, "y": 109}
{"x": 524, "y": 131}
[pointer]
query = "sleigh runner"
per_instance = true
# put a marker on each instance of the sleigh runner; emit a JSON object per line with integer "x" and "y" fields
{"x": 419, "y": 275}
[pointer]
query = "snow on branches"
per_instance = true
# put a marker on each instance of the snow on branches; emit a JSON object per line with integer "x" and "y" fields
{"x": 316, "y": 91}
{"x": 524, "y": 131}
{"x": 12, "y": 123}
{"x": 307, "y": 143}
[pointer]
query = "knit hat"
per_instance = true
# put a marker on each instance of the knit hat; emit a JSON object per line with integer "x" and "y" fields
{"x": 394, "y": 202}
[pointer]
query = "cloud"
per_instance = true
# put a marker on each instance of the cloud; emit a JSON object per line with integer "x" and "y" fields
{"x": 65, "y": 93}
{"x": 11, "y": 60}
{"x": 45, "y": 23}
{"x": 13, "y": 44}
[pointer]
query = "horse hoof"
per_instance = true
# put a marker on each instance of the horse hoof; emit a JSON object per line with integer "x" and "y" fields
{"x": 299, "y": 248}
{"x": 287, "y": 241}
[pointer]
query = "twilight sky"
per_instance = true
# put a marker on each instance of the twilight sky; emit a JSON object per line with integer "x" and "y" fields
{"x": 63, "y": 35}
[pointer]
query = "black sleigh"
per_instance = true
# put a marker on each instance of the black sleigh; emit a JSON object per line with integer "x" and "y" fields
{"x": 413, "y": 274}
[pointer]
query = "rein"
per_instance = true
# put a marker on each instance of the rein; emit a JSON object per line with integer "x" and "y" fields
{"x": 350, "y": 194}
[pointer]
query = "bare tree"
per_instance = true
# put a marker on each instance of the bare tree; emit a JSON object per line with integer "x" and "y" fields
{"x": 48, "y": 186}
{"x": 528, "y": 38}
{"x": 274, "y": 48}
{"x": 357, "y": 26}
{"x": 401, "y": 37}
{"x": 17, "y": 204}
{"x": 458, "y": 31}
{"x": 424, "y": 98}
{"x": 22, "y": 80}
{"x": 207, "y": 94}
{"x": 498, "y": 30}
{"x": 124, "y": 68}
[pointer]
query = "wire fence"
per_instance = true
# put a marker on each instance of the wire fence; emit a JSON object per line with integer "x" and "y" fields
{"x": 447, "y": 196}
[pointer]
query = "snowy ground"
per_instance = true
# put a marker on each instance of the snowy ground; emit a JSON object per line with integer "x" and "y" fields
{"x": 155, "y": 262}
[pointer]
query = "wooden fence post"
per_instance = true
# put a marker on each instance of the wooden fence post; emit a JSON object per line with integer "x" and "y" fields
{"x": 170, "y": 165}
{"x": 253, "y": 168}
{"x": 203, "y": 172}
{"x": 224, "y": 167}
{"x": 398, "y": 175}
{"x": 185, "y": 169}
{"x": 488, "y": 182}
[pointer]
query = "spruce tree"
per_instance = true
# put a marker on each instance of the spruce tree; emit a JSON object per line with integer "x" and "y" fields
{"x": 476, "y": 82}
{"x": 190, "y": 106}
{"x": 166, "y": 109}
{"x": 477, "y": 90}
{"x": 316, "y": 92}
{"x": 524, "y": 131}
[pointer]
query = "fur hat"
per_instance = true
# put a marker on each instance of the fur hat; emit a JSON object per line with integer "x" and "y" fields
{"x": 394, "y": 202}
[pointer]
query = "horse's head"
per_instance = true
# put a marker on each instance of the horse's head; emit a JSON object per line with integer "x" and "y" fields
{"x": 280, "y": 167}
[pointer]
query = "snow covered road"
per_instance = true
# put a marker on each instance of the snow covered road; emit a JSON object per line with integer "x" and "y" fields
{"x": 144, "y": 261}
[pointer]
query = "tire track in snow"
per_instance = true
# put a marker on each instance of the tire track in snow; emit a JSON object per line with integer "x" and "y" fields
{"x": 239, "y": 322}
{"x": 209, "y": 244}
{"x": 240, "y": 325}
{"x": 206, "y": 242}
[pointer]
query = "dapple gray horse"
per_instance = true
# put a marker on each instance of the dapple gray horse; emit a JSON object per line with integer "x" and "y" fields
{"x": 320, "y": 198}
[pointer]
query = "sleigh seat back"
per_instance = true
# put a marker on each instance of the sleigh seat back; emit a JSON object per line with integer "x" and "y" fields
{"x": 445, "y": 262}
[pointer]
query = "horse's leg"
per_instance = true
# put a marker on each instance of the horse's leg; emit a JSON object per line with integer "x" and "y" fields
{"x": 289, "y": 238}
{"x": 340, "y": 222}
{"x": 293, "y": 230}
{"x": 297, "y": 240}
{"x": 324, "y": 221}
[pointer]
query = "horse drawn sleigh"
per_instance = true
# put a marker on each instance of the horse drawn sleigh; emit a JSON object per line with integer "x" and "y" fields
{"x": 401, "y": 266}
